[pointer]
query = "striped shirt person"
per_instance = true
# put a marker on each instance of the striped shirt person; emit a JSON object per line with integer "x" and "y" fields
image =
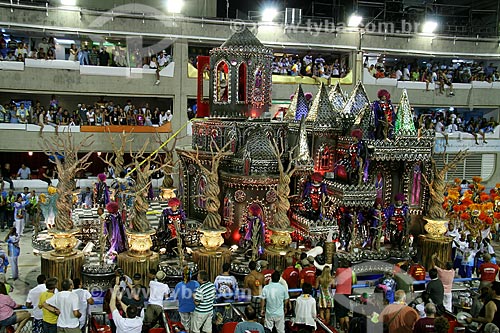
{"x": 204, "y": 298}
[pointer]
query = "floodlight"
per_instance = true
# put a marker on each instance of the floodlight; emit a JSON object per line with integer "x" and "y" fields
{"x": 70, "y": 3}
{"x": 429, "y": 27}
{"x": 269, "y": 14}
{"x": 354, "y": 20}
{"x": 175, "y": 6}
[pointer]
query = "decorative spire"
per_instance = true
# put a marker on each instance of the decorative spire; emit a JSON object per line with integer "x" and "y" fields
{"x": 322, "y": 113}
{"x": 365, "y": 121}
{"x": 337, "y": 98}
{"x": 298, "y": 107}
{"x": 357, "y": 101}
{"x": 301, "y": 154}
{"x": 404, "y": 117}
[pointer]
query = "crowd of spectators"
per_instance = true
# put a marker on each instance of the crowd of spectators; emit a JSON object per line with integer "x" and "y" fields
{"x": 93, "y": 55}
{"x": 309, "y": 65}
{"x": 435, "y": 71}
{"x": 451, "y": 122}
{"x": 98, "y": 114}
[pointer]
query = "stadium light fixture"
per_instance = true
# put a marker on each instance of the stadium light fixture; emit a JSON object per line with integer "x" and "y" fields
{"x": 354, "y": 20}
{"x": 429, "y": 27}
{"x": 175, "y": 6}
{"x": 269, "y": 14}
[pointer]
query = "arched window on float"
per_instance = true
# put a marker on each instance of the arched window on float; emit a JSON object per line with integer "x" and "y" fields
{"x": 222, "y": 82}
{"x": 242, "y": 83}
{"x": 325, "y": 158}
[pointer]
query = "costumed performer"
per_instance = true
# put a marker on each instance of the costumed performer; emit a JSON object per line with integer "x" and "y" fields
{"x": 101, "y": 191}
{"x": 397, "y": 214}
{"x": 173, "y": 217}
{"x": 48, "y": 206}
{"x": 314, "y": 196}
{"x": 385, "y": 116}
{"x": 115, "y": 229}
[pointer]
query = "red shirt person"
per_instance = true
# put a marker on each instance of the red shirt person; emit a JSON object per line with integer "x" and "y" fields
{"x": 488, "y": 271}
{"x": 308, "y": 273}
{"x": 291, "y": 274}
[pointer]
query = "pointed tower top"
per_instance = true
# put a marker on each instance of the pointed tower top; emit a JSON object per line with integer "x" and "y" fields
{"x": 337, "y": 98}
{"x": 301, "y": 154}
{"x": 298, "y": 107}
{"x": 322, "y": 113}
{"x": 365, "y": 121}
{"x": 243, "y": 38}
{"x": 404, "y": 118}
{"x": 357, "y": 101}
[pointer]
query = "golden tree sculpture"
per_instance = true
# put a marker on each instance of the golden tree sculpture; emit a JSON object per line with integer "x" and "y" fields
{"x": 436, "y": 214}
{"x": 67, "y": 169}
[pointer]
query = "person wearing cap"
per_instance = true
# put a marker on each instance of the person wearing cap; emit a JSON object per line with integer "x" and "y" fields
{"x": 184, "y": 292}
{"x": 487, "y": 271}
{"x": 308, "y": 272}
{"x": 266, "y": 271}
{"x": 157, "y": 292}
{"x": 397, "y": 214}
{"x": 204, "y": 298}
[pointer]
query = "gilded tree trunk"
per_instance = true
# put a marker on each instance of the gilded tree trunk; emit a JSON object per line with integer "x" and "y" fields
{"x": 281, "y": 221}
{"x": 138, "y": 216}
{"x": 213, "y": 219}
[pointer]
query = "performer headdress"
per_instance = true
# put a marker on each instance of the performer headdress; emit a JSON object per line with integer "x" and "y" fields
{"x": 383, "y": 92}
{"x": 101, "y": 177}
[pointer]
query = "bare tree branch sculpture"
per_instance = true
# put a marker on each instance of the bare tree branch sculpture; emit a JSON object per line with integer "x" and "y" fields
{"x": 116, "y": 160}
{"x": 67, "y": 169}
{"x": 142, "y": 165}
{"x": 213, "y": 219}
{"x": 437, "y": 186}
{"x": 168, "y": 162}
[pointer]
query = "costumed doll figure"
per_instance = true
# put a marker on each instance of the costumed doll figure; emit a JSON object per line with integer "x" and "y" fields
{"x": 101, "y": 191}
{"x": 254, "y": 230}
{"x": 358, "y": 159}
{"x": 174, "y": 222}
{"x": 48, "y": 206}
{"x": 377, "y": 224}
{"x": 397, "y": 214}
{"x": 384, "y": 116}
{"x": 115, "y": 229}
{"x": 314, "y": 196}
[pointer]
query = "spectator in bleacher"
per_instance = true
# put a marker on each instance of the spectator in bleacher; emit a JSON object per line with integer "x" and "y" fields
{"x": 73, "y": 53}
{"x": 10, "y": 56}
{"x": 93, "y": 56}
{"x": 50, "y": 55}
{"x": 103, "y": 57}
{"x": 83, "y": 56}
{"x": 6, "y": 175}
{"x": 24, "y": 172}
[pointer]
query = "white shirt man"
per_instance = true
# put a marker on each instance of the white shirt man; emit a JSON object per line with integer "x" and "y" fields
{"x": 399, "y": 74}
{"x": 132, "y": 323}
{"x": 168, "y": 115}
{"x": 84, "y": 299}
{"x": 157, "y": 292}
{"x": 34, "y": 298}
{"x": 67, "y": 303}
